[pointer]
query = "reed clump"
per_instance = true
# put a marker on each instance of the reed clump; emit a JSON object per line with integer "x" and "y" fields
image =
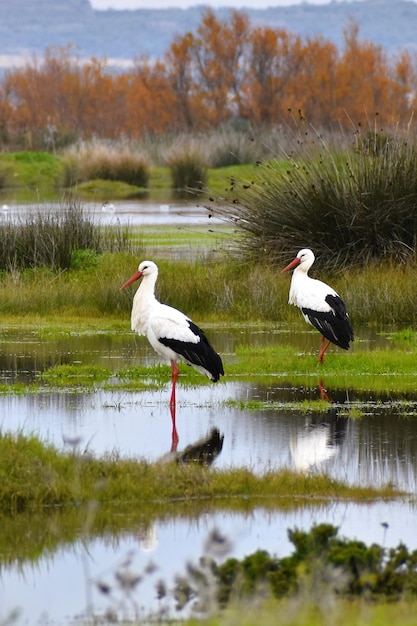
{"x": 95, "y": 160}
{"x": 354, "y": 205}
{"x": 54, "y": 237}
{"x": 229, "y": 147}
{"x": 188, "y": 166}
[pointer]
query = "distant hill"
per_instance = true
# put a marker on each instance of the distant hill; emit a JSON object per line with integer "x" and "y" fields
{"x": 30, "y": 27}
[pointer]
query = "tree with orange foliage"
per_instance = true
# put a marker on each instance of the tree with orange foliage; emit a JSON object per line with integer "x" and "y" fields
{"x": 364, "y": 84}
{"x": 181, "y": 75}
{"x": 313, "y": 88}
{"x": 225, "y": 70}
{"x": 219, "y": 56}
{"x": 149, "y": 100}
{"x": 274, "y": 61}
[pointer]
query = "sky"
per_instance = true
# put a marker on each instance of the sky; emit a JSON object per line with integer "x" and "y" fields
{"x": 184, "y": 4}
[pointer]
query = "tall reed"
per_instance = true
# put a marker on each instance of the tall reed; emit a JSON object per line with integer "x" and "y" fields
{"x": 51, "y": 237}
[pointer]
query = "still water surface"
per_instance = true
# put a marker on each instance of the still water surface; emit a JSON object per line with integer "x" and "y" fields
{"x": 64, "y": 585}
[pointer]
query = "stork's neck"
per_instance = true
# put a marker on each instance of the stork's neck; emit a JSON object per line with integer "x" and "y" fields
{"x": 143, "y": 303}
{"x": 299, "y": 276}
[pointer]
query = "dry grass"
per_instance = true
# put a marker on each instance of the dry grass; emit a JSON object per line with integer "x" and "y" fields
{"x": 95, "y": 160}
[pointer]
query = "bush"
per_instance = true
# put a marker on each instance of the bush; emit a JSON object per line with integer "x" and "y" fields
{"x": 352, "y": 207}
{"x": 321, "y": 565}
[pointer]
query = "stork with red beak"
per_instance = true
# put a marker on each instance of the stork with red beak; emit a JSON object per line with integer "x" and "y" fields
{"x": 171, "y": 333}
{"x": 320, "y": 305}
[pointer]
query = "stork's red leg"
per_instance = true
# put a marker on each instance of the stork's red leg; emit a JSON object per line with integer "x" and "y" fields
{"x": 324, "y": 347}
{"x": 174, "y": 437}
{"x": 173, "y": 407}
{"x": 323, "y": 392}
{"x": 174, "y": 371}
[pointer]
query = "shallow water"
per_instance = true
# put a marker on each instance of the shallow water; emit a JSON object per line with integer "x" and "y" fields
{"x": 63, "y": 585}
{"x": 133, "y": 212}
{"x": 379, "y": 448}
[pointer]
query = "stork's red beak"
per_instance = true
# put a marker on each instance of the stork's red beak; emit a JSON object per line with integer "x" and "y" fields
{"x": 291, "y": 265}
{"x": 131, "y": 280}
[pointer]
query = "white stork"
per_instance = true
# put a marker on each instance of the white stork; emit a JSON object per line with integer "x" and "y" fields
{"x": 320, "y": 305}
{"x": 171, "y": 333}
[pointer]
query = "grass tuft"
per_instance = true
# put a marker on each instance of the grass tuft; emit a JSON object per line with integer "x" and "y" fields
{"x": 95, "y": 160}
{"x": 188, "y": 166}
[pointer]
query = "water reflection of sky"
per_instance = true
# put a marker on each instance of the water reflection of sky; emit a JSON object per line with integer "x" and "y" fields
{"x": 187, "y": 212}
{"x": 61, "y": 587}
{"x": 143, "y": 213}
{"x": 374, "y": 450}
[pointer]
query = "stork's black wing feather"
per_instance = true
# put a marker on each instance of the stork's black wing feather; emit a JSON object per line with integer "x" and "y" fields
{"x": 201, "y": 353}
{"x": 334, "y": 325}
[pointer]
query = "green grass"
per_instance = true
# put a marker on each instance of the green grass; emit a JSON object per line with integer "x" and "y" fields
{"x": 98, "y": 189}
{"x": 36, "y": 474}
{"x": 37, "y": 170}
{"x": 304, "y": 611}
{"x": 41, "y": 173}
{"x": 358, "y": 369}
{"x": 85, "y": 376}
{"x": 387, "y": 371}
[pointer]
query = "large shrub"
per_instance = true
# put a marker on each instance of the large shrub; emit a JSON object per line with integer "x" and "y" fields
{"x": 354, "y": 205}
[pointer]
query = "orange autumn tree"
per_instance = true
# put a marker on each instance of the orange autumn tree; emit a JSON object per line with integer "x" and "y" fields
{"x": 225, "y": 70}
{"x": 62, "y": 93}
{"x": 150, "y": 99}
{"x": 274, "y": 61}
{"x": 364, "y": 83}
{"x": 41, "y": 94}
{"x": 181, "y": 74}
{"x": 404, "y": 87}
{"x": 312, "y": 89}
{"x": 218, "y": 52}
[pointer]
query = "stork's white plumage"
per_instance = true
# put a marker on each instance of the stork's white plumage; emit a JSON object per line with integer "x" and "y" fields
{"x": 171, "y": 333}
{"x": 321, "y": 306}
